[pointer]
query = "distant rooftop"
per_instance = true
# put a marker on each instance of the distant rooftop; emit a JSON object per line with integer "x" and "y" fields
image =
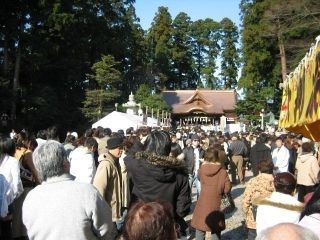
{"x": 211, "y": 102}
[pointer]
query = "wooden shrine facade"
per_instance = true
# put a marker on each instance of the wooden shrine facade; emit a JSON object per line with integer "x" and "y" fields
{"x": 201, "y": 106}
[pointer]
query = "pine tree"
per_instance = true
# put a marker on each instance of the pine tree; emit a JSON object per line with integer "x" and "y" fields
{"x": 104, "y": 87}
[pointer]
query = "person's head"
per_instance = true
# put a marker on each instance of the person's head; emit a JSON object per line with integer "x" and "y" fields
{"x": 129, "y": 131}
{"x": 32, "y": 144}
{"x": 287, "y": 231}
{"x": 178, "y": 135}
{"x": 307, "y": 147}
{"x": 174, "y": 138}
{"x": 22, "y": 140}
{"x": 115, "y": 145}
{"x": 50, "y": 160}
{"x": 52, "y": 133}
{"x": 313, "y": 205}
{"x": 285, "y": 183}
{"x": 91, "y": 144}
{"x": 7, "y": 146}
{"x": 175, "y": 150}
{"x": 195, "y": 138}
{"x": 266, "y": 166}
{"x": 120, "y": 132}
{"x": 188, "y": 142}
{"x": 158, "y": 143}
{"x": 149, "y": 221}
{"x": 89, "y": 132}
{"x": 234, "y": 137}
{"x": 221, "y": 139}
{"x": 263, "y": 138}
{"x": 70, "y": 139}
{"x": 211, "y": 155}
{"x": 42, "y": 134}
{"x": 107, "y": 132}
{"x": 129, "y": 143}
{"x": 98, "y": 133}
{"x": 279, "y": 142}
{"x": 143, "y": 132}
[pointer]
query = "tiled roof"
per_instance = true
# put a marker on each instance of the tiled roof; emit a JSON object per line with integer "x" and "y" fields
{"x": 200, "y": 100}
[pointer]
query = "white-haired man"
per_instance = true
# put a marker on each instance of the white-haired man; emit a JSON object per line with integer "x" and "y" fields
{"x": 61, "y": 208}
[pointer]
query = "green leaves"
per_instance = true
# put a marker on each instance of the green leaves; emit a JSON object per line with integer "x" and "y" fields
{"x": 105, "y": 82}
{"x": 147, "y": 99}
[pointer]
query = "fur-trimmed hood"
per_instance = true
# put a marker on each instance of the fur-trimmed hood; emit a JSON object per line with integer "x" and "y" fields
{"x": 162, "y": 168}
{"x": 270, "y": 201}
{"x": 161, "y": 161}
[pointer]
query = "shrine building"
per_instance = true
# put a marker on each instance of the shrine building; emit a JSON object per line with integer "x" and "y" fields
{"x": 201, "y": 106}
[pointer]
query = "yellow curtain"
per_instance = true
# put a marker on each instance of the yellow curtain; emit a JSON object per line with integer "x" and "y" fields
{"x": 300, "y": 111}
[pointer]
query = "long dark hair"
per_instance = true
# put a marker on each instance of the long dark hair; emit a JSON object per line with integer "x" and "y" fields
{"x": 158, "y": 142}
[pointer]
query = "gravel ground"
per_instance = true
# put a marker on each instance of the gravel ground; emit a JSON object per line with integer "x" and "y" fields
{"x": 235, "y": 228}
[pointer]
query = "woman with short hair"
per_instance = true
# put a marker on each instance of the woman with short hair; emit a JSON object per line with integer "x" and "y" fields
{"x": 259, "y": 186}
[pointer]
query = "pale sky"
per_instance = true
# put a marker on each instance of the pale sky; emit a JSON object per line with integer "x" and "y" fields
{"x": 196, "y": 9}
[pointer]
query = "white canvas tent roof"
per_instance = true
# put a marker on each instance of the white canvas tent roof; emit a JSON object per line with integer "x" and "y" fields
{"x": 119, "y": 120}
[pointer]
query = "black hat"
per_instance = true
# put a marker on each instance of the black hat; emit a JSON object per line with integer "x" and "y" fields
{"x": 114, "y": 142}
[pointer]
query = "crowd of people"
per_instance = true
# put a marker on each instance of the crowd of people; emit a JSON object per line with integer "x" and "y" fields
{"x": 138, "y": 184}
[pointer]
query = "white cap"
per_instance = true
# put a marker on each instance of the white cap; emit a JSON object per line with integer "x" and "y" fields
{"x": 75, "y": 134}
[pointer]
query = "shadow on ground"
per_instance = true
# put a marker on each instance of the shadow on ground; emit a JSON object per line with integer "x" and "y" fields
{"x": 237, "y": 192}
{"x": 234, "y": 234}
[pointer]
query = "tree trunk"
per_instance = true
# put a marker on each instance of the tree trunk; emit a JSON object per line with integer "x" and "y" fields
{"x": 282, "y": 52}
{"x": 16, "y": 83}
{"x": 283, "y": 60}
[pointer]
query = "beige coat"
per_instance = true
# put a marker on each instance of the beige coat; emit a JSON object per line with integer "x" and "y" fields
{"x": 259, "y": 186}
{"x": 108, "y": 182}
{"x": 307, "y": 168}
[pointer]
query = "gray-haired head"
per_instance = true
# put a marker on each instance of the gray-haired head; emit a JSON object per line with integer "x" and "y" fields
{"x": 287, "y": 231}
{"x": 50, "y": 159}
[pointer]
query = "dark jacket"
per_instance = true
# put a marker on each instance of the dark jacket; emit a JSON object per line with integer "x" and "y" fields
{"x": 189, "y": 158}
{"x": 159, "y": 178}
{"x": 258, "y": 152}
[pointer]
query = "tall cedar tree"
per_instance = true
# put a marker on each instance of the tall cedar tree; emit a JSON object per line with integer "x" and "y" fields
{"x": 205, "y": 42}
{"x": 160, "y": 49}
{"x": 229, "y": 54}
{"x": 183, "y": 67}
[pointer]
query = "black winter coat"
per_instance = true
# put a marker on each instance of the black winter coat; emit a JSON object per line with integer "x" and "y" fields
{"x": 258, "y": 152}
{"x": 189, "y": 158}
{"x": 159, "y": 178}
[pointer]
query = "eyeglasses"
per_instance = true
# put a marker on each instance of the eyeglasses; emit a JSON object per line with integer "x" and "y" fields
{"x": 196, "y": 140}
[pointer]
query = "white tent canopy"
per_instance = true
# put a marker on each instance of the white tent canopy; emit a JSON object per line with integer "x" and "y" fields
{"x": 119, "y": 120}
